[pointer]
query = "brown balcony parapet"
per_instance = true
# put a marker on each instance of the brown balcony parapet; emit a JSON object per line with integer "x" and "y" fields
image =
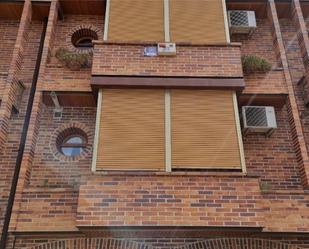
{"x": 155, "y": 81}
{"x": 198, "y": 65}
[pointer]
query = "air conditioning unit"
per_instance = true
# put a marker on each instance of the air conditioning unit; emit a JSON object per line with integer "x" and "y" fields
{"x": 241, "y": 21}
{"x": 259, "y": 119}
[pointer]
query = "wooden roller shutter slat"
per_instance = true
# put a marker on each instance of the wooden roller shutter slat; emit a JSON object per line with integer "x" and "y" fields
{"x": 197, "y": 21}
{"x": 136, "y": 20}
{"x": 131, "y": 130}
{"x": 204, "y": 131}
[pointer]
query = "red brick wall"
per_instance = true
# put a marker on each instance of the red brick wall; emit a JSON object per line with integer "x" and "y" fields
{"x": 50, "y": 170}
{"x": 297, "y": 69}
{"x": 59, "y": 77}
{"x": 260, "y": 43}
{"x": 169, "y": 200}
{"x": 47, "y": 209}
{"x": 152, "y": 243}
{"x": 273, "y": 159}
{"x": 279, "y": 169}
{"x": 50, "y": 200}
{"x": 8, "y": 31}
{"x": 212, "y": 61}
{"x": 9, "y": 152}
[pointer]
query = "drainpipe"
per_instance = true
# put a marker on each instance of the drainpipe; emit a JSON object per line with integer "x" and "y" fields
{"x": 21, "y": 148}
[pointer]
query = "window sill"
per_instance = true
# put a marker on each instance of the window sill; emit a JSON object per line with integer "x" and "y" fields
{"x": 174, "y": 173}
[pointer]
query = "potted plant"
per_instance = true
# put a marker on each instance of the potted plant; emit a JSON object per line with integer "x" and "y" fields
{"x": 73, "y": 60}
{"x": 255, "y": 64}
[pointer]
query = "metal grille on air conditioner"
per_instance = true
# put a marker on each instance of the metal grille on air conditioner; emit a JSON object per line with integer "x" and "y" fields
{"x": 256, "y": 116}
{"x": 241, "y": 21}
{"x": 259, "y": 119}
{"x": 239, "y": 18}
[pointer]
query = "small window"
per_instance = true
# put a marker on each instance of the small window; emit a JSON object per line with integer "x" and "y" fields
{"x": 84, "y": 42}
{"x": 82, "y": 38}
{"x": 73, "y": 145}
{"x": 72, "y": 142}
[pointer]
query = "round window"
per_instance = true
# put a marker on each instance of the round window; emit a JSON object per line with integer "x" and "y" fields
{"x": 73, "y": 145}
{"x": 82, "y": 38}
{"x": 84, "y": 42}
{"x": 72, "y": 142}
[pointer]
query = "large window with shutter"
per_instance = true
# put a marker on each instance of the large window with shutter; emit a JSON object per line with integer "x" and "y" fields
{"x": 197, "y": 21}
{"x": 204, "y": 130}
{"x": 158, "y": 129}
{"x": 131, "y": 130}
{"x": 136, "y": 20}
{"x": 194, "y": 21}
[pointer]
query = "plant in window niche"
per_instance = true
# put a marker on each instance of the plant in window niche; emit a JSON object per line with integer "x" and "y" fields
{"x": 73, "y": 60}
{"x": 255, "y": 64}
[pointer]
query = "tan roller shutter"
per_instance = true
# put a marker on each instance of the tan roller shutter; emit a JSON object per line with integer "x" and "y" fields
{"x": 131, "y": 135}
{"x": 197, "y": 21}
{"x": 136, "y": 20}
{"x": 204, "y": 133}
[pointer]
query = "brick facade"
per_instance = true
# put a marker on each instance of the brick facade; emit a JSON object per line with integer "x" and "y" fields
{"x": 63, "y": 201}
{"x": 190, "y": 61}
{"x": 58, "y": 77}
{"x": 100, "y": 243}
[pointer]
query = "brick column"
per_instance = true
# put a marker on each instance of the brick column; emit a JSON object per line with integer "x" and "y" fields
{"x": 293, "y": 114}
{"x": 302, "y": 34}
{"x": 14, "y": 72}
{"x": 36, "y": 114}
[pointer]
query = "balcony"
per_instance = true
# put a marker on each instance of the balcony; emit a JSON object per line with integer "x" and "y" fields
{"x": 169, "y": 200}
{"x": 209, "y": 66}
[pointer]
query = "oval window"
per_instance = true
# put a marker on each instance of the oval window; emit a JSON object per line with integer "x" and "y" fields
{"x": 73, "y": 145}
{"x": 82, "y": 38}
{"x": 84, "y": 42}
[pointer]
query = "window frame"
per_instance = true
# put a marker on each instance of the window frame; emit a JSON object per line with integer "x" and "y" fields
{"x": 65, "y": 144}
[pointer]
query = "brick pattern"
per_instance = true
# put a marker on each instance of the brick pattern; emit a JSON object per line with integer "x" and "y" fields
{"x": 14, "y": 71}
{"x": 216, "y": 243}
{"x": 210, "y": 61}
{"x": 187, "y": 201}
{"x": 58, "y": 77}
{"x": 8, "y": 30}
{"x": 298, "y": 52}
{"x": 14, "y": 123}
{"x": 45, "y": 209}
{"x": 49, "y": 169}
{"x": 279, "y": 168}
{"x": 56, "y": 195}
{"x": 286, "y": 213}
{"x": 32, "y": 133}
{"x": 260, "y": 43}
{"x": 272, "y": 82}
{"x": 302, "y": 33}
{"x": 295, "y": 122}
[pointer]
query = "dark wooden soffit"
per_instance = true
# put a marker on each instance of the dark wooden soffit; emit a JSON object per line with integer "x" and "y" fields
{"x": 276, "y": 100}
{"x": 260, "y": 7}
{"x": 11, "y": 10}
{"x": 83, "y": 7}
{"x": 237, "y": 84}
{"x": 77, "y": 99}
{"x": 40, "y": 10}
